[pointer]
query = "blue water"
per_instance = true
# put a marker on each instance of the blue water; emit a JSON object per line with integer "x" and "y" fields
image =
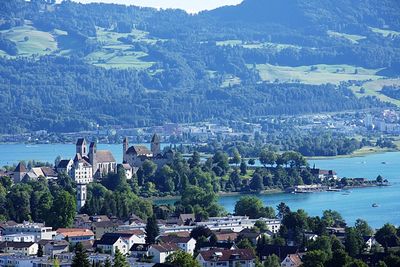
{"x": 353, "y": 206}
{"x": 356, "y": 205}
{"x": 13, "y": 153}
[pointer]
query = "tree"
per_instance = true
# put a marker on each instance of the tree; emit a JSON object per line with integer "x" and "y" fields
{"x": 194, "y": 161}
{"x": 40, "y": 251}
{"x": 283, "y": 209}
{"x": 272, "y": 261}
{"x": 149, "y": 168}
{"x": 152, "y": 230}
{"x": 314, "y": 258}
{"x": 353, "y": 242}
{"x": 387, "y": 236}
{"x": 356, "y": 263}
{"x": 250, "y": 206}
{"x": 256, "y": 183}
{"x": 63, "y": 210}
{"x": 107, "y": 263}
{"x": 80, "y": 258}
{"x": 245, "y": 243}
{"x": 333, "y": 218}
{"x": 119, "y": 259}
{"x": 182, "y": 259}
{"x": 243, "y": 168}
{"x": 267, "y": 157}
{"x": 200, "y": 231}
{"x": 236, "y": 158}
{"x": 363, "y": 228}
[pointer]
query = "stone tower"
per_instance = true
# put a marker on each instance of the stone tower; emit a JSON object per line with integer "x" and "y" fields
{"x": 125, "y": 146}
{"x": 81, "y": 195}
{"x": 156, "y": 145}
{"x": 81, "y": 147}
{"x": 92, "y": 156}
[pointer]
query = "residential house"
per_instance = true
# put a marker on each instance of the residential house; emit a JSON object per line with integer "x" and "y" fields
{"x": 74, "y": 235}
{"x": 109, "y": 243}
{"x": 15, "y": 260}
{"x": 19, "y": 248}
{"x": 54, "y": 247}
{"x": 101, "y": 227}
{"x": 292, "y": 260}
{"x": 186, "y": 244}
{"x": 219, "y": 257}
{"x": 159, "y": 252}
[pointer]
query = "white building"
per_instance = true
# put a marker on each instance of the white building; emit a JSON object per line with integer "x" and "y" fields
{"x": 18, "y": 238}
{"x": 38, "y": 230}
{"x": 186, "y": 244}
{"x": 161, "y": 251}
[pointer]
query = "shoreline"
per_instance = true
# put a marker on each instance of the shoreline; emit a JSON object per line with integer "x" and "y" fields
{"x": 223, "y": 194}
{"x": 356, "y": 154}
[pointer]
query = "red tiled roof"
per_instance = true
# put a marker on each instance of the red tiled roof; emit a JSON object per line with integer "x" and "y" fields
{"x": 74, "y": 232}
{"x": 165, "y": 247}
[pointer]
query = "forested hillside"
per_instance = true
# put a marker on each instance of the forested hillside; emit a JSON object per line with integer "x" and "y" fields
{"x": 71, "y": 66}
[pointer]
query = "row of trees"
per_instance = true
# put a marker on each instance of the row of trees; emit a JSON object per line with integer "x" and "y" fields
{"x": 39, "y": 201}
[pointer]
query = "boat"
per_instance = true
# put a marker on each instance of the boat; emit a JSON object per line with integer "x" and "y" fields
{"x": 375, "y": 205}
{"x": 383, "y": 162}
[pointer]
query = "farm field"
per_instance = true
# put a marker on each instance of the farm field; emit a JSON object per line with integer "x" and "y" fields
{"x": 373, "y": 88}
{"x": 385, "y": 33}
{"x": 351, "y": 37}
{"x": 31, "y": 41}
{"x": 316, "y": 74}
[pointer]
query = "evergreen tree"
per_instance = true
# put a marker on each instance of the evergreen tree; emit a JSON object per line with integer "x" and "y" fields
{"x": 81, "y": 258}
{"x": 40, "y": 251}
{"x": 119, "y": 259}
{"x": 152, "y": 230}
{"x": 272, "y": 261}
{"x": 107, "y": 263}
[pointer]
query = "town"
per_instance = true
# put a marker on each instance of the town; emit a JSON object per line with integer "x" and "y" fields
{"x": 253, "y": 235}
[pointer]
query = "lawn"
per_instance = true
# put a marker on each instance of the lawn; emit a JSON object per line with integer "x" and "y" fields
{"x": 373, "y": 88}
{"x": 37, "y": 42}
{"x": 316, "y": 74}
{"x": 351, "y": 37}
{"x": 385, "y": 33}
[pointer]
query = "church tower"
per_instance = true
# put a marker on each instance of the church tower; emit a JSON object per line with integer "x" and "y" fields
{"x": 81, "y": 196}
{"x": 125, "y": 146}
{"x": 81, "y": 147}
{"x": 156, "y": 145}
{"x": 92, "y": 156}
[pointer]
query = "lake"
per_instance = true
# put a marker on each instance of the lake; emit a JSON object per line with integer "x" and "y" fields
{"x": 356, "y": 205}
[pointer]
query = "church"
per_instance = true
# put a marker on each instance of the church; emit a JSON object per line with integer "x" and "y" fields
{"x": 136, "y": 155}
{"x": 96, "y": 162}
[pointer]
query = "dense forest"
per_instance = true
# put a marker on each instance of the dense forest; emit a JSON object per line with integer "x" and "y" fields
{"x": 192, "y": 71}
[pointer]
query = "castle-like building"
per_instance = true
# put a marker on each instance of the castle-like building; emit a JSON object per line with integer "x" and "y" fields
{"x": 88, "y": 163}
{"x": 136, "y": 155}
